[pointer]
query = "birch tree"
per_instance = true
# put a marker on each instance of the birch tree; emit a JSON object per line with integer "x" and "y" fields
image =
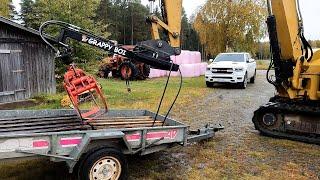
{"x": 233, "y": 25}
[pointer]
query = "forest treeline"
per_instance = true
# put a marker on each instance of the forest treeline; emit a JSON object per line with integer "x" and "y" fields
{"x": 217, "y": 26}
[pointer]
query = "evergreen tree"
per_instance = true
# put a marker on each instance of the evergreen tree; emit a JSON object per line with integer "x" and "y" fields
{"x": 189, "y": 37}
{"x": 27, "y": 15}
{"x": 126, "y": 20}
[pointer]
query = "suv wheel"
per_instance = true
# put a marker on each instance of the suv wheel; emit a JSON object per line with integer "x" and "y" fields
{"x": 254, "y": 77}
{"x": 244, "y": 84}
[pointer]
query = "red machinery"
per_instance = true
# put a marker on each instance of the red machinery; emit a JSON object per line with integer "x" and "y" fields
{"x": 83, "y": 88}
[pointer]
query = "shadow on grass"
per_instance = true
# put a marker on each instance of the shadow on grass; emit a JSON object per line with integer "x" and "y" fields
{"x": 34, "y": 169}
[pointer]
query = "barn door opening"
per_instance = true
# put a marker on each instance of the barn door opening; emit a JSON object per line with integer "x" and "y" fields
{"x": 12, "y": 76}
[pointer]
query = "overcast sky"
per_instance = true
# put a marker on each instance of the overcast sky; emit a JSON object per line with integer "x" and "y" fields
{"x": 309, "y": 8}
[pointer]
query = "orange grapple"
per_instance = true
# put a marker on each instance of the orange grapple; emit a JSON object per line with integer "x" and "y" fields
{"x": 78, "y": 84}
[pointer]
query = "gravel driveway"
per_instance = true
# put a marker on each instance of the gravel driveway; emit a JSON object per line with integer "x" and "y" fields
{"x": 228, "y": 105}
{"x": 238, "y": 151}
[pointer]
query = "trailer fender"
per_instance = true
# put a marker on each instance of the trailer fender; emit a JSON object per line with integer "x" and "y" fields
{"x": 88, "y": 140}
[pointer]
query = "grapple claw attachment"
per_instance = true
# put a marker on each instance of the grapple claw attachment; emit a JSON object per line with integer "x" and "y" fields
{"x": 84, "y": 89}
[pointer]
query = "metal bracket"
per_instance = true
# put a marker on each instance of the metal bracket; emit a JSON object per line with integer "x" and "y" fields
{"x": 142, "y": 148}
{"x": 47, "y": 155}
{"x": 204, "y": 133}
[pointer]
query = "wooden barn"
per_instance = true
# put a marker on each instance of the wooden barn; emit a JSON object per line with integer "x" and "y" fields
{"x": 26, "y": 63}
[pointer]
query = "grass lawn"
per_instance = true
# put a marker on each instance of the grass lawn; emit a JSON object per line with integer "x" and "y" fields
{"x": 144, "y": 94}
{"x": 262, "y": 64}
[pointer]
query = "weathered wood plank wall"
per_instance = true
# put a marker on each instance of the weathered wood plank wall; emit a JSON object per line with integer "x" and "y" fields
{"x": 26, "y": 65}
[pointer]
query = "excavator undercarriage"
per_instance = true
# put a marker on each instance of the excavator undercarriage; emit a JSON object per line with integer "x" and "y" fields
{"x": 294, "y": 112}
{"x": 285, "y": 118}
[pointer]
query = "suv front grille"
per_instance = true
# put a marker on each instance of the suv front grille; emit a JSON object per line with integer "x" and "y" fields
{"x": 222, "y": 70}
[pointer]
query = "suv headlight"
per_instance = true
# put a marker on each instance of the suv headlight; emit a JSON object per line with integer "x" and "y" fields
{"x": 238, "y": 69}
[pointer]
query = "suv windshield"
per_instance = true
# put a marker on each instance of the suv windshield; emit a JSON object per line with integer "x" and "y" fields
{"x": 230, "y": 57}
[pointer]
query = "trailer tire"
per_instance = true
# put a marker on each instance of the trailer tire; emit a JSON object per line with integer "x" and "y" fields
{"x": 109, "y": 161}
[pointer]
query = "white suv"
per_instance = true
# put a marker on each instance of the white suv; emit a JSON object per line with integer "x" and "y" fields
{"x": 236, "y": 68}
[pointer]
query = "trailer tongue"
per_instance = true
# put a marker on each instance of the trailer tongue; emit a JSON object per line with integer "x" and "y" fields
{"x": 61, "y": 136}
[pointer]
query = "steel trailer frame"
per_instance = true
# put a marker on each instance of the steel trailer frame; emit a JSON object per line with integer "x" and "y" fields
{"x": 70, "y": 146}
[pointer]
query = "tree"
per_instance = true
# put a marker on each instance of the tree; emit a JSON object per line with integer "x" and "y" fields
{"x": 263, "y": 50}
{"x": 126, "y": 20}
{"x": 78, "y": 12}
{"x": 317, "y": 43}
{"x": 4, "y": 8}
{"x": 27, "y": 15}
{"x": 7, "y": 9}
{"x": 231, "y": 25}
{"x": 189, "y": 37}
{"x": 314, "y": 43}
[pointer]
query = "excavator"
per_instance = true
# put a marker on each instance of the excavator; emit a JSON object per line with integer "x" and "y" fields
{"x": 293, "y": 113}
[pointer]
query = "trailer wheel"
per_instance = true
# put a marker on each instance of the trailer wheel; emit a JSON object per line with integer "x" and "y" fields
{"x": 106, "y": 163}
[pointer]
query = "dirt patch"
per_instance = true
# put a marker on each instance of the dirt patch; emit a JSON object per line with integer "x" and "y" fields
{"x": 17, "y": 105}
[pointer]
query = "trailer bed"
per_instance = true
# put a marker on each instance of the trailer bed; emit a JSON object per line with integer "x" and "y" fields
{"x": 61, "y": 136}
{"x": 66, "y": 120}
{"x": 71, "y": 123}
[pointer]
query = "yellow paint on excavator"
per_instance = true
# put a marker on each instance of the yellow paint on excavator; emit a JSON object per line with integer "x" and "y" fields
{"x": 173, "y": 11}
{"x": 305, "y": 80}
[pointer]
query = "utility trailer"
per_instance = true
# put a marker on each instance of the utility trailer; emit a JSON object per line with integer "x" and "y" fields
{"x": 96, "y": 150}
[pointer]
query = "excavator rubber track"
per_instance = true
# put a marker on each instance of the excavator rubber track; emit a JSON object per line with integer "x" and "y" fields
{"x": 289, "y": 120}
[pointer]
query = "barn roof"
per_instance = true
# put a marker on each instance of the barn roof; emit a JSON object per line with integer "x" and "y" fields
{"x": 19, "y": 26}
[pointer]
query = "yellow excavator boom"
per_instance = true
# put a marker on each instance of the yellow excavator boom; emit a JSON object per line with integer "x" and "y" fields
{"x": 286, "y": 15}
{"x": 297, "y": 68}
{"x": 171, "y": 24}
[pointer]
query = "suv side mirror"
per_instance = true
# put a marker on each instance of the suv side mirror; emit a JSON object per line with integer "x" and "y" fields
{"x": 250, "y": 60}
{"x": 211, "y": 60}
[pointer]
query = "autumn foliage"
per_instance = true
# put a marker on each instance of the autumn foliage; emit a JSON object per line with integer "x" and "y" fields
{"x": 234, "y": 25}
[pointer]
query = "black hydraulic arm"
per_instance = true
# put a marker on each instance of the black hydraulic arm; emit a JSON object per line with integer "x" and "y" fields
{"x": 157, "y": 56}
